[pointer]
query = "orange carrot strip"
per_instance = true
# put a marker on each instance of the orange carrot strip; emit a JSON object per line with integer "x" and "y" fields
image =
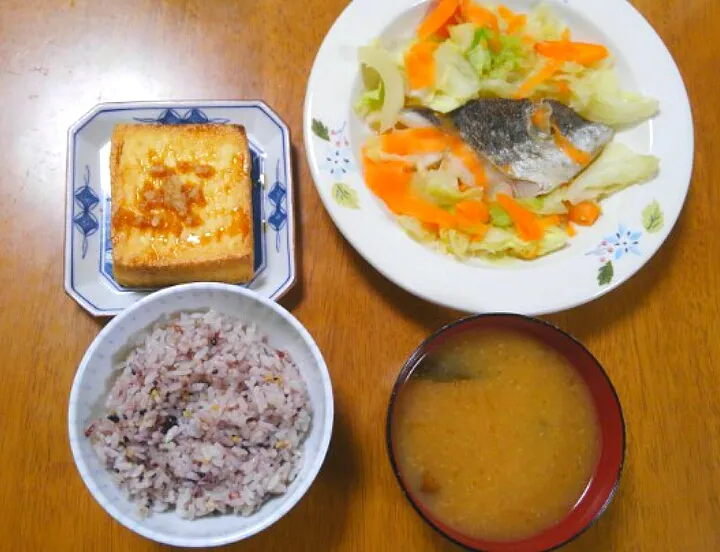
{"x": 470, "y": 159}
{"x": 540, "y": 118}
{"x": 526, "y": 222}
{"x": 579, "y": 52}
{"x": 550, "y": 220}
{"x": 437, "y": 18}
{"x": 533, "y": 81}
{"x": 390, "y": 181}
{"x": 570, "y": 229}
{"x": 414, "y": 141}
{"x": 584, "y": 213}
{"x": 513, "y": 21}
{"x": 580, "y": 157}
{"x": 480, "y": 16}
{"x": 506, "y": 13}
{"x": 425, "y": 211}
{"x": 472, "y": 212}
{"x": 517, "y": 24}
{"x": 420, "y": 64}
{"x": 562, "y": 88}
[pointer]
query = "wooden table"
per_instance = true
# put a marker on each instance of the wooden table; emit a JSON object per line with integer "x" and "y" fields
{"x": 658, "y": 335}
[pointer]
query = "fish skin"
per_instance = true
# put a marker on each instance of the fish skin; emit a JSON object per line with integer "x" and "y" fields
{"x": 501, "y": 131}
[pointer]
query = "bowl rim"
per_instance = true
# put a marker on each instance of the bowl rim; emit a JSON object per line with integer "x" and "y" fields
{"x": 315, "y": 463}
{"x": 407, "y": 370}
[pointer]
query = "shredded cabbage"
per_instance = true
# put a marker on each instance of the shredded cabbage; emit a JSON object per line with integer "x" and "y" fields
{"x": 548, "y": 204}
{"x": 617, "y": 167}
{"x": 455, "y": 78}
{"x": 393, "y": 82}
{"x": 466, "y": 68}
{"x": 597, "y": 96}
{"x": 499, "y": 241}
{"x": 415, "y": 229}
{"x": 370, "y": 101}
{"x": 499, "y": 216}
{"x": 441, "y": 187}
{"x": 543, "y": 25}
{"x": 455, "y": 242}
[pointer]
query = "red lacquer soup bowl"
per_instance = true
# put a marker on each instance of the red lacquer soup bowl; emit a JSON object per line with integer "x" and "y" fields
{"x": 611, "y": 429}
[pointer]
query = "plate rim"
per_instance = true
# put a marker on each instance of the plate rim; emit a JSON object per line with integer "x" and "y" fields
{"x": 684, "y": 109}
{"x": 87, "y": 116}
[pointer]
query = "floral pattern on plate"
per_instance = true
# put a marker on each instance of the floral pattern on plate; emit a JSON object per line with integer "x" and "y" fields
{"x": 338, "y": 163}
{"x": 624, "y": 242}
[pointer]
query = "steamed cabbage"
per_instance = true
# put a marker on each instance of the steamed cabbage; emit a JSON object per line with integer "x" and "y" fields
{"x": 617, "y": 167}
{"x": 391, "y": 79}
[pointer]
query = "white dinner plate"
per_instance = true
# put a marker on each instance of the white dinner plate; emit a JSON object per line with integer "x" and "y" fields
{"x": 88, "y": 249}
{"x": 635, "y": 222}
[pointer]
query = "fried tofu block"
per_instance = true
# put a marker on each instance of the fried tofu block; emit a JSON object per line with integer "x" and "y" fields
{"x": 181, "y": 204}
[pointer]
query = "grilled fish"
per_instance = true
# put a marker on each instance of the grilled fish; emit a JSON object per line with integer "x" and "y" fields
{"x": 539, "y": 145}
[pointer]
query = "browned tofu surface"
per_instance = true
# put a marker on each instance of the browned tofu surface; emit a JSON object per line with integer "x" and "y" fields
{"x": 181, "y": 204}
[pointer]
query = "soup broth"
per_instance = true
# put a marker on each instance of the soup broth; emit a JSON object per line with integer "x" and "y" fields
{"x": 496, "y": 435}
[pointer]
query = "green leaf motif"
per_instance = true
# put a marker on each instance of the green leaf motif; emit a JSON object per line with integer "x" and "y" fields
{"x": 320, "y": 130}
{"x": 605, "y": 274}
{"x": 345, "y": 196}
{"x": 653, "y": 218}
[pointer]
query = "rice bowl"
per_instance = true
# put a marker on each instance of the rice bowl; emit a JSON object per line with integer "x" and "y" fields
{"x": 201, "y": 399}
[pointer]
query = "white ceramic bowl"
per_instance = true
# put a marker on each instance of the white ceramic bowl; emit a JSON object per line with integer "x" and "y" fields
{"x": 94, "y": 378}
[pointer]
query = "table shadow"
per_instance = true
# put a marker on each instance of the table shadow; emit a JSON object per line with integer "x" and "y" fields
{"x": 429, "y": 315}
{"x": 296, "y": 293}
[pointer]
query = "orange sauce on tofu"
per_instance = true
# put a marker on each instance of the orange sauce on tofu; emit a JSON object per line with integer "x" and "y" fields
{"x": 170, "y": 199}
{"x": 505, "y": 451}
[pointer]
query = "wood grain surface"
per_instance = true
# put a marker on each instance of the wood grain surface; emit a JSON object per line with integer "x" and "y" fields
{"x": 658, "y": 335}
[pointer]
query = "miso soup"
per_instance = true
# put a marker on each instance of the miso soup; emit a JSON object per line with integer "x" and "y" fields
{"x": 496, "y": 434}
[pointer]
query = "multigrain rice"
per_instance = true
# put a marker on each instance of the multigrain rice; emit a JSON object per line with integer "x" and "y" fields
{"x": 205, "y": 417}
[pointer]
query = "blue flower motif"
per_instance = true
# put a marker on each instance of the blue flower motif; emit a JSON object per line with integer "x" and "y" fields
{"x": 624, "y": 242}
{"x": 86, "y": 221}
{"x": 173, "y": 117}
{"x": 617, "y": 245}
{"x": 278, "y": 217}
{"x": 338, "y": 159}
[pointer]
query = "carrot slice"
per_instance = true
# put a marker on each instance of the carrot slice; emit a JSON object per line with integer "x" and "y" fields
{"x": 579, "y": 52}
{"x": 425, "y": 211}
{"x": 580, "y": 157}
{"x": 550, "y": 220}
{"x": 470, "y": 159}
{"x": 570, "y": 229}
{"x": 437, "y": 18}
{"x": 472, "y": 212}
{"x": 584, "y": 213}
{"x": 540, "y": 118}
{"x": 513, "y": 21}
{"x": 526, "y": 222}
{"x": 533, "y": 81}
{"x": 517, "y": 24}
{"x": 562, "y": 87}
{"x": 390, "y": 181}
{"x": 480, "y": 16}
{"x": 420, "y": 64}
{"x": 414, "y": 141}
{"x": 506, "y": 13}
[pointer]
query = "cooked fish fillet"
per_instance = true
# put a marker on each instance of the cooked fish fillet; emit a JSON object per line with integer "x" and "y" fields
{"x": 181, "y": 204}
{"x": 540, "y": 145}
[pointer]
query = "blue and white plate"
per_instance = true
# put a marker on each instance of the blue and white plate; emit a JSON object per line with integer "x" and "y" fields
{"x": 88, "y": 249}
